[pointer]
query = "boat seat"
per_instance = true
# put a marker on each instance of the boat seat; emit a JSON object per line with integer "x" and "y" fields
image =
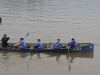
{"x": 29, "y": 45}
{"x": 47, "y": 45}
{"x": 63, "y": 45}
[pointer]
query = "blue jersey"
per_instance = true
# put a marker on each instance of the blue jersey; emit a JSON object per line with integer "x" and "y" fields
{"x": 57, "y": 45}
{"x": 72, "y": 44}
{"x": 39, "y": 45}
{"x": 23, "y": 44}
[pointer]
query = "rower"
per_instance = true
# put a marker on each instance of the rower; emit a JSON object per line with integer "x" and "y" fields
{"x": 72, "y": 44}
{"x": 21, "y": 44}
{"x": 5, "y": 40}
{"x": 39, "y": 45}
{"x": 56, "y": 45}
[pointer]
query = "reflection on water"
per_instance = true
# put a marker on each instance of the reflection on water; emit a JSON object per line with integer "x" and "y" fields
{"x": 63, "y": 19}
{"x": 31, "y": 54}
{"x": 80, "y": 55}
{"x": 7, "y": 56}
{"x": 73, "y": 56}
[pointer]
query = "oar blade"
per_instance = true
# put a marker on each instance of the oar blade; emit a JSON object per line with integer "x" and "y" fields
{"x": 27, "y": 34}
{"x": 26, "y": 54}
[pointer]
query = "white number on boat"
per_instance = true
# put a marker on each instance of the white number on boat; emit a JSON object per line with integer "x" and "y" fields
{"x": 90, "y": 46}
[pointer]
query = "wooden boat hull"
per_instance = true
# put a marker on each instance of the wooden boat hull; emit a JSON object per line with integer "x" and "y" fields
{"x": 83, "y": 47}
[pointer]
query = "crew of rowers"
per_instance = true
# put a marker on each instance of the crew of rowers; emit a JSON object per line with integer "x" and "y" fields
{"x": 39, "y": 45}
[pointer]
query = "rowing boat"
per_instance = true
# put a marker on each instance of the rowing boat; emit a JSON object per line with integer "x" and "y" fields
{"x": 81, "y": 47}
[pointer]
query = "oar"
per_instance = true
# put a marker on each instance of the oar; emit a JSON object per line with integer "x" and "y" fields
{"x": 69, "y": 54}
{"x": 30, "y": 50}
{"x": 50, "y": 38}
{"x": 26, "y": 35}
{"x": 27, "y": 53}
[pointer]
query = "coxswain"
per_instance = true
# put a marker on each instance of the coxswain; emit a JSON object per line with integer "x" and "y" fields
{"x": 5, "y": 40}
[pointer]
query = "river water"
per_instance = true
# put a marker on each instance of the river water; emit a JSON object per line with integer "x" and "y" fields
{"x": 62, "y": 19}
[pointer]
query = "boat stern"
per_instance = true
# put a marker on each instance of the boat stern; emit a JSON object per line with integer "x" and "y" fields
{"x": 88, "y": 47}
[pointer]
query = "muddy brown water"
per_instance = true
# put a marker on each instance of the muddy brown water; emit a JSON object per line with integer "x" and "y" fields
{"x": 62, "y": 19}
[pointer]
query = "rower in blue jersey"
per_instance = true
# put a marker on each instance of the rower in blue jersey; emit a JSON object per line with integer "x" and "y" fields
{"x": 56, "y": 45}
{"x": 39, "y": 45}
{"x": 21, "y": 44}
{"x": 72, "y": 44}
